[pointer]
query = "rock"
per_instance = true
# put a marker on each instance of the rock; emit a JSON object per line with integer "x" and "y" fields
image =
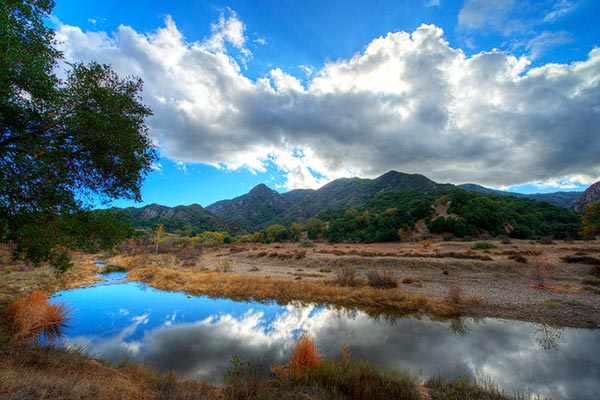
{"x": 590, "y": 196}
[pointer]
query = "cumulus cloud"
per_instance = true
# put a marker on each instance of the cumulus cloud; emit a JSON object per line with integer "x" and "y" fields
{"x": 408, "y": 101}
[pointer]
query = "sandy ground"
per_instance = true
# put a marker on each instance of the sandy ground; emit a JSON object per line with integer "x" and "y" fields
{"x": 539, "y": 287}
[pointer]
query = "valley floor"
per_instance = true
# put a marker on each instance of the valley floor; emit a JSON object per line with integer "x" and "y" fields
{"x": 554, "y": 283}
{"x": 529, "y": 281}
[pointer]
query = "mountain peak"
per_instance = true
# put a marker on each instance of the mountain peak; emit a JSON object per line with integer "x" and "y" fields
{"x": 261, "y": 187}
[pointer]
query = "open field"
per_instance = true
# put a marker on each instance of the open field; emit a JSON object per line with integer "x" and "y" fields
{"x": 548, "y": 283}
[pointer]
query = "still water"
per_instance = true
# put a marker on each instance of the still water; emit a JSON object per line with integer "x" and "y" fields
{"x": 197, "y": 336}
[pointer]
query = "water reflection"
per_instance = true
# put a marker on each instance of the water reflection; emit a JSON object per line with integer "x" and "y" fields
{"x": 198, "y": 336}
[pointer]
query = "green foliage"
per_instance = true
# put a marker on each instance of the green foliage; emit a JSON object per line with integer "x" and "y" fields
{"x": 36, "y": 238}
{"x": 483, "y": 246}
{"x": 277, "y": 233}
{"x": 388, "y": 214}
{"x": 61, "y": 141}
{"x": 380, "y": 219}
{"x": 591, "y": 221}
{"x": 314, "y": 228}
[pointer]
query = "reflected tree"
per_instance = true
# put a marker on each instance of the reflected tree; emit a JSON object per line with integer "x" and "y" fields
{"x": 548, "y": 337}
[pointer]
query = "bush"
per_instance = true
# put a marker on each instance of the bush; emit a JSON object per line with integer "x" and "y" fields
{"x": 346, "y": 275}
{"x": 455, "y": 294}
{"x": 483, "y": 246}
{"x": 382, "y": 280}
{"x": 407, "y": 281}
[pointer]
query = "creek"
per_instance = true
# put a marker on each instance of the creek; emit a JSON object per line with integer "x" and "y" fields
{"x": 118, "y": 320}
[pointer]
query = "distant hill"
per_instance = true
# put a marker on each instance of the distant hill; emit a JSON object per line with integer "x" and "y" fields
{"x": 355, "y": 192}
{"x": 255, "y": 209}
{"x": 189, "y": 220}
{"x": 590, "y": 196}
{"x": 262, "y": 206}
{"x": 561, "y": 199}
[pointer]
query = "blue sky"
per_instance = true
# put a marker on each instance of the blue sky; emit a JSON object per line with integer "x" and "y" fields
{"x": 295, "y": 94}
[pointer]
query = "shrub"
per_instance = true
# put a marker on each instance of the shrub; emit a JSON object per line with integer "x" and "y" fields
{"x": 299, "y": 254}
{"x": 382, "y": 280}
{"x": 407, "y": 281}
{"x": 483, "y": 246}
{"x": 346, "y": 276}
{"x": 447, "y": 238}
{"x": 425, "y": 243}
{"x": 33, "y": 315}
{"x": 306, "y": 356}
{"x": 306, "y": 243}
{"x": 455, "y": 294}
{"x": 538, "y": 270}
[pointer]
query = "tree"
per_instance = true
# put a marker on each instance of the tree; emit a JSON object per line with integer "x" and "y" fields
{"x": 277, "y": 233}
{"x": 314, "y": 227}
{"x": 591, "y": 221}
{"x": 64, "y": 143}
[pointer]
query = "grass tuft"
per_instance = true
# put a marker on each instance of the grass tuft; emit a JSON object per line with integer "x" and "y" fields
{"x": 306, "y": 356}
{"x": 32, "y": 315}
{"x": 382, "y": 280}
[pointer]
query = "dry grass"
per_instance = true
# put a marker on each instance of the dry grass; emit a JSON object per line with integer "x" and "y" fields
{"x": 32, "y": 315}
{"x": 30, "y": 372}
{"x": 382, "y": 279}
{"x": 455, "y": 294}
{"x": 345, "y": 275}
{"x": 305, "y": 355}
{"x": 246, "y": 287}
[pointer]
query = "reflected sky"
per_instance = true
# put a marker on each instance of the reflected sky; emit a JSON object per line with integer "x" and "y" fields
{"x": 198, "y": 336}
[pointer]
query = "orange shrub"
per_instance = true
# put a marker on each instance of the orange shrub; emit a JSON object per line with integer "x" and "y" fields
{"x": 33, "y": 315}
{"x": 305, "y": 356}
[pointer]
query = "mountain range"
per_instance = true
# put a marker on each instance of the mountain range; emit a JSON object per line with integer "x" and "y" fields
{"x": 262, "y": 206}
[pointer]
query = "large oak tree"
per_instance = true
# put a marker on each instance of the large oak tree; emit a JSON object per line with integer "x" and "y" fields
{"x": 64, "y": 143}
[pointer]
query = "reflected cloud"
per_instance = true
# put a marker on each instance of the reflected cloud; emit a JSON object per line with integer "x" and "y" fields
{"x": 199, "y": 336}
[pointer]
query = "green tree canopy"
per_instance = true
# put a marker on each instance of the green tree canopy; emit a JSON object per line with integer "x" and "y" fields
{"x": 63, "y": 142}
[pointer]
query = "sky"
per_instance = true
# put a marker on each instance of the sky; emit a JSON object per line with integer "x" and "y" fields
{"x": 502, "y": 93}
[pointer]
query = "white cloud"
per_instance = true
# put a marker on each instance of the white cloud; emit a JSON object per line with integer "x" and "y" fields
{"x": 519, "y": 21}
{"x": 545, "y": 40}
{"x": 408, "y": 102}
{"x": 560, "y": 9}
{"x": 494, "y": 14}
